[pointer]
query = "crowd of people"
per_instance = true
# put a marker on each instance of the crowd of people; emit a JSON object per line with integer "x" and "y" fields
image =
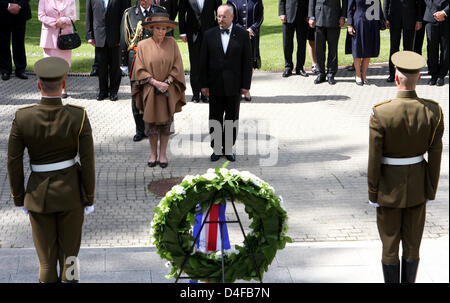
{"x": 223, "y": 50}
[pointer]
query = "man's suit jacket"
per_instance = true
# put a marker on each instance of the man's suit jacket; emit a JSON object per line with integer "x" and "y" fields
{"x": 171, "y": 6}
{"x": 433, "y": 6}
{"x": 289, "y": 9}
{"x": 327, "y": 12}
{"x": 226, "y": 74}
{"x": 52, "y": 132}
{"x": 104, "y": 25}
{"x": 403, "y": 13}
{"x": 24, "y": 14}
{"x": 406, "y": 126}
{"x": 192, "y": 21}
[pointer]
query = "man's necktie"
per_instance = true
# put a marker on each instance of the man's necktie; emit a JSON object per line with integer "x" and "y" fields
{"x": 226, "y": 31}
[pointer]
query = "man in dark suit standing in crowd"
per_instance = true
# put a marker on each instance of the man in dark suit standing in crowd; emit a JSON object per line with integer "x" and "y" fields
{"x": 436, "y": 16}
{"x": 195, "y": 17}
{"x": 13, "y": 17}
{"x": 293, "y": 14}
{"x": 103, "y": 18}
{"x": 226, "y": 73}
{"x": 327, "y": 19}
{"x": 401, "y": 16}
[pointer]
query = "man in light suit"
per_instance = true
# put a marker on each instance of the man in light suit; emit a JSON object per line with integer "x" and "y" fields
{"x": 401, "y": 16}
{"x": 436, "y": 16}
{"x": 195, "y": 17}
{"x": 226, "y": 73}
{"x": 13, "y": 17}
{"x": 293, "y": 14}
{"x": 103, "y": 20}
{"x": 327, "y": 17}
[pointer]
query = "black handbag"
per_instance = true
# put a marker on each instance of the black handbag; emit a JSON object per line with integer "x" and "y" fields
{"x": 69, "y": 41}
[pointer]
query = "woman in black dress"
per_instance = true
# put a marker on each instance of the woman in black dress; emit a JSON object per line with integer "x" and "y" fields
{"x": 364, "y": 27}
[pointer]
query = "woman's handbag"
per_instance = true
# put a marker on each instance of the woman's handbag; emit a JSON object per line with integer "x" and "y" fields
{"x": 69, "y": 41}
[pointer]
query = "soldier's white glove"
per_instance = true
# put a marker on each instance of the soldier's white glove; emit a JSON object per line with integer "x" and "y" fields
{"x": 88, "y": 209}
{"x": 124, "y": 69}
{"x": 374, "y": 204}
{"x": 25, "y": 211}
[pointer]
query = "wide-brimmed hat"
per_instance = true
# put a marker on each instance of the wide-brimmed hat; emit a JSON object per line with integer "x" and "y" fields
{"x": 161, "y": 19}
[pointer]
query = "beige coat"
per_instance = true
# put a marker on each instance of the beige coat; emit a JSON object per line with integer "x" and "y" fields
{"x": 152, "y": 61}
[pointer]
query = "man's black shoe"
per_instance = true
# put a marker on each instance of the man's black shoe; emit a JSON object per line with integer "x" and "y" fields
{"x": 214, "y": 157}
{"x": 204, "y": 99}
{"x": 301, "y": 72}
{"x": 440, "y": 82}
{"x": 138, "y": 137}
{"x": 195, "y": 99}
{"x": 287, "y": 73}
{"x": 432, "y": 81}
{"x": 94, "y": 73}
{"x": 231, "y": 157}
{"x": 101, "y": 96}
{"x": 390, "y": 79}
{"x": 320, "y": 79}
{"x": 22, "y": 76}
{"x": 114, "y": 97}
{"x": 5, "y": 76}
{"x": 331, "y": 80}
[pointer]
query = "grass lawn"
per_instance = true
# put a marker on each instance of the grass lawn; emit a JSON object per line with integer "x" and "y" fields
{"x": 271, "y": 42}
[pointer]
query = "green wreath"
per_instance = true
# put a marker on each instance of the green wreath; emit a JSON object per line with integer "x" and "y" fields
{"x": 175, "y": 215}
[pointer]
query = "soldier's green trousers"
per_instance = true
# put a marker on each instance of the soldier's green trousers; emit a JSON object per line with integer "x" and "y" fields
{"x": 401, "y": 224}
{"x": 57, "y": 237}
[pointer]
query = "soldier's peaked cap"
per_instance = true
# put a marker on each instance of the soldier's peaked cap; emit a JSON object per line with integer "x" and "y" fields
{"x": 408, "y": 61}
{"x": 51, "y": 68}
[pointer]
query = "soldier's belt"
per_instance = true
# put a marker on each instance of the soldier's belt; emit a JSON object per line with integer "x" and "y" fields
{"x": 42, "y": 168}
{"x": 402, "y": 161}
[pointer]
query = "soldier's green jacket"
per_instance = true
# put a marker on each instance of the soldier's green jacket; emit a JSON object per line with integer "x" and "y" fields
{"x": 404, "y": 127}
{"x": 52, "y": 132}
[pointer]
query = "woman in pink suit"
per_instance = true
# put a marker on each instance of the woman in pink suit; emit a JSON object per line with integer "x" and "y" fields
{"x": 56, "y": 15}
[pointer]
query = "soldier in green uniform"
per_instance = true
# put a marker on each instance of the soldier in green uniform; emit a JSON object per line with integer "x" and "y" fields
{"x": 59, "y": 190}
{"x": 131, "y": 32}
{"x": 400, "y": 180}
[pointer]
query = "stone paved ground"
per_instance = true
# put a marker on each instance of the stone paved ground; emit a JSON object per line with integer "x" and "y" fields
{"x": 320, "y": 134}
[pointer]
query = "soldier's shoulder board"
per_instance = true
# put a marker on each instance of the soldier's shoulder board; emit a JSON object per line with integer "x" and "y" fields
{"x": 25, "y": 107}
{"x": 429, "y": 100}
{"x": 76, "y": 106}
{"x": 381, "y": 103}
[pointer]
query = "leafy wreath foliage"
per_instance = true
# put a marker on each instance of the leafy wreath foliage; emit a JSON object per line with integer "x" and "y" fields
{"x": 175, "y": 216}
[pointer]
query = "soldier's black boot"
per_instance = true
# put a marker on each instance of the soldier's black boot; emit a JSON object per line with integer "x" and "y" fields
{"x": 409, "y": 270}
{"x": 391, "y": 273}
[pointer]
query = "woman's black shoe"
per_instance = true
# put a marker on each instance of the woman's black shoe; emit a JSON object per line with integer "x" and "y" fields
{"x": 152, "y": 164}
{"x": 163, "y": 164}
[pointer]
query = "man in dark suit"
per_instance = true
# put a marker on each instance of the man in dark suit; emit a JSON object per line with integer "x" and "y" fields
{"x": 13, "y": 17}
{"x": 420, "y": 34}
{"x": 293, "y": 14}
{"x": 195, "y": 17}
{"x": 226, "y": 73}
{"x": 327, "y": 17}
{"x": 401, "y": 16}
{"x": 436, "y": 16}
{"x": 103, "y": 19}
{"x": 59, "y": 191}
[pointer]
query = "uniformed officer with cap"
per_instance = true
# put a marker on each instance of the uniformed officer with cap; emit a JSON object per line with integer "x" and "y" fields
{"x": 400, "y": 180}
{"x": 59, "y": 190}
